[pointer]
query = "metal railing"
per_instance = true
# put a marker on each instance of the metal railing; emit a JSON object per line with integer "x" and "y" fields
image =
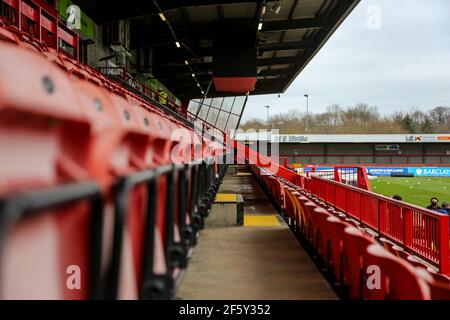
{"x": 204, "y": 127}
{"x": 419, "y": 231}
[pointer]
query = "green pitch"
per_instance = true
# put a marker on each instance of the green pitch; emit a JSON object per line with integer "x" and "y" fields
{"x": 415, "y": 190}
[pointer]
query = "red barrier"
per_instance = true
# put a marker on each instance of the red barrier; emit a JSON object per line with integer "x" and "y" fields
{"x": 347, "y": 174}
{"x": 420, "y": 231}
{"x": 245, "y": 154}
{"x": 80, "y": 151}
{"x": 345, "y": 250}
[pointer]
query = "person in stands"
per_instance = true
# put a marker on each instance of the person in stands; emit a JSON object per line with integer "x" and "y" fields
{"x": 397, "y": 197}
{"x": 445, "y": 208}
{"x": 434, "y": 204}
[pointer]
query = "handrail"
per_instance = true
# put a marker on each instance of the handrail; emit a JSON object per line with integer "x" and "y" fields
{"x": 418, "y": 230}
{"x": 120, "y": 73}
{"x": 205, "y": 126}
{"x": 136, "y": 84}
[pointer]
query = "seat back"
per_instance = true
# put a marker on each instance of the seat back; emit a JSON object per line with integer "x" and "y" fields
{"x": 439, "y": 284}
{"x": 401, "y": 281}
{"x": 50, "y": 229}
{"x": 340, "y": 252}
{"x": 324, "y": 234}
{"x": 357, "y": 243}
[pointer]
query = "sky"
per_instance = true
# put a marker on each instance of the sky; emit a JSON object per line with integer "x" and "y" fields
{"x": 393, "y": 54}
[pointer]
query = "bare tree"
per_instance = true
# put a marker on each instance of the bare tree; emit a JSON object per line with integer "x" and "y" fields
{"x": 360, "y": 118}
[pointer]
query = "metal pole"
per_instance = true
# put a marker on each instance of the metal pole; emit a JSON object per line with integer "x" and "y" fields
{"x": 229, "y": 115}
{"x": 242, "y": 110}
{"x": 267, "y": 122}
{"x": 203, "y": 99}
{"x": 307, "y": 112}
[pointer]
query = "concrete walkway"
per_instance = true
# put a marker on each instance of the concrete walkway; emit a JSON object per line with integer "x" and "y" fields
{"x": 251, "y": 262}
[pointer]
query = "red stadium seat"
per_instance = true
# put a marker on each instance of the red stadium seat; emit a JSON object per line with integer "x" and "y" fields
{"x": 323, "y": 235}
{"x": 356, "y": 243}
{"x": 340, "y": 252}
{"x": 311, "y": 226}
{"x": 90, "y": 183}
{"x": 438, "y": 276}
{"x": 416, "y": 262}
{"x": 439, "y": 287}
{"x": 401, "y": 280}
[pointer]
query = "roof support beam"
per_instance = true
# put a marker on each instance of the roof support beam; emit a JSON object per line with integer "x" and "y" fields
{"x": 276, "y": 60}
{"x": 174, "y": 67}
{"x": 141, "y": 39}
{"x": 170, "y": 56}
{"x": 289, "y": 45}
{"x": 169, "y": 5}
{"x": 295, "y": 24}
{"x": 274, "y": 72}
{"x": 173, "y": 82}
{"x": 102, "y": 11}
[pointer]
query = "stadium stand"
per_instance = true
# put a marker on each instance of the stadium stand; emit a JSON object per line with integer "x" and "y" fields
{"x": 103, "y": 192}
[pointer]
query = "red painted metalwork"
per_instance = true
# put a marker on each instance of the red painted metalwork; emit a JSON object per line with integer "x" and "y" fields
{"x": 234, "y": 84}
{"x": 67, "y": 127}
{"x": 347, "y": 174}
{"x": 342, "y": 245}
{"x": 64, "y": 126}
{"x": 40, "y": 20}
{"x": 418, "y": 230}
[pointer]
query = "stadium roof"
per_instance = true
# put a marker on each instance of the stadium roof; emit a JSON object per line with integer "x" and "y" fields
{"x": 285, "y": 44}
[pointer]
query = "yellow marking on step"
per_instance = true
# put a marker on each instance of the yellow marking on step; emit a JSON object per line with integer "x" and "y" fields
{"x": 226, "y": 197}
{"x": 261, "y": 221}
{"x": 244, "y": 174}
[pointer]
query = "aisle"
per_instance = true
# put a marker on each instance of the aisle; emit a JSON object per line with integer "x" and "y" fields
{"x": 261, "y": 260}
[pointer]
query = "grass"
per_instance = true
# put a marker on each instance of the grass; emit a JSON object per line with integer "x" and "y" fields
{"x": 417, "y": 190}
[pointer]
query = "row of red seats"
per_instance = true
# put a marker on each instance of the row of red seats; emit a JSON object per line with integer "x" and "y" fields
{"x": 10, "y": 33}
{"x": 98, "y": 197}
{"x": 417, "y": 230}
{"x": 353, "y": 259}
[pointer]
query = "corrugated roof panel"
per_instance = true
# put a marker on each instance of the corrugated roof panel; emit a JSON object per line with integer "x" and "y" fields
{"x": 203, "y": 13}
{"x": 287, "y": 53}
{"x": 284, "y": 12}
{"x": 307, "y": 9}
{"x": 268, "y": 77}
{"x": 267, "y": 54}
{"x": 294, "y": 35}
{"x": 279, "y": 66}
{"x": 194, "y": 21}
{"x": 271, "y": 37}
{"x": 240, "y": 10}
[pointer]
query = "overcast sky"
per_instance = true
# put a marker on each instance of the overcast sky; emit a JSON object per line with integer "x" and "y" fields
{"x": 404, "y": 64}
